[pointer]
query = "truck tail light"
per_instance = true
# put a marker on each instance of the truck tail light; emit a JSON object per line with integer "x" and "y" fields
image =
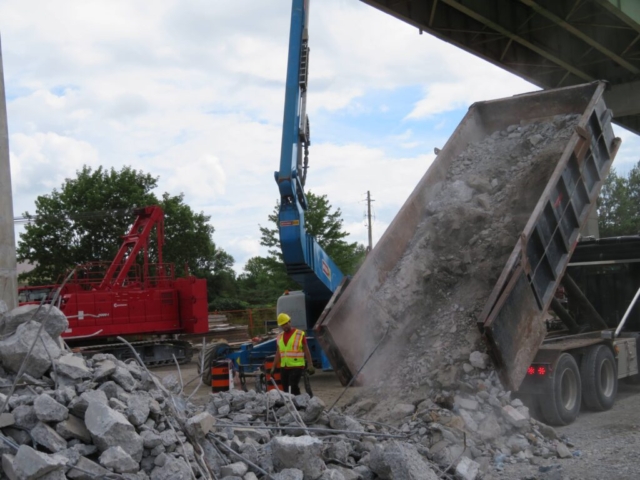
{"x": 538, "y": 370}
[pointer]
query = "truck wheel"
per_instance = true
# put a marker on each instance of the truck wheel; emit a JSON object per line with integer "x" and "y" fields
{"x": 211, "y": 352}
{"x": 561, "y": 403}
{"x": 599, "y": 378}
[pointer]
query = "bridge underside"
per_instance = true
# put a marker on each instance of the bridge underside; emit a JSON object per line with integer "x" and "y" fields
{"x": 551, "y": 43}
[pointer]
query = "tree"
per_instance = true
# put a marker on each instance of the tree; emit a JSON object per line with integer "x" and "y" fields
{"x": 619, "y": 204}
{"x": 85, "y": 220}
{"x": 263, "y": 281}
{"x": 326, "y": 225}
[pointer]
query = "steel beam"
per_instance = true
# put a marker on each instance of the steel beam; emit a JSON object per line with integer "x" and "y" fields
{"x": 517, "y": 38}
{"x": 581, "y": 35}
{"x": 628, "y": 17}
{"x": 624, "y": 99}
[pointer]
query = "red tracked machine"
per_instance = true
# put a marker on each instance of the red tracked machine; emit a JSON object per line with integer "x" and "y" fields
{"x": 135, "y": 299}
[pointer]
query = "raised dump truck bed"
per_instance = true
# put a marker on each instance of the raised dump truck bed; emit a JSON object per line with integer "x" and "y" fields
{"x": 513, "y": 317}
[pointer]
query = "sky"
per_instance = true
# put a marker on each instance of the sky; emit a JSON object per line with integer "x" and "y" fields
{"x": 192, "y": 92}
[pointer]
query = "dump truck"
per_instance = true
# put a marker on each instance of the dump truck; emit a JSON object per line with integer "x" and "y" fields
{"x": 560, "y": 368}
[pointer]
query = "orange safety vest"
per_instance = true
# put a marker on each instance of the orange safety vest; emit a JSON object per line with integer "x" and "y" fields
{"x": 292, "y": 354}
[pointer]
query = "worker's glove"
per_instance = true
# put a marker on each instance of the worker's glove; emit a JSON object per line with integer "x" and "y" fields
{"x": 311, "y": 370}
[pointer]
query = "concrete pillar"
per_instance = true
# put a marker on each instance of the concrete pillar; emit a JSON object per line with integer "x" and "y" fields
{"x": 8, "y": 277}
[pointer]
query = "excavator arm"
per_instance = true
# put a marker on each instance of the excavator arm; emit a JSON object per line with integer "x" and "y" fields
{"x": 306, "y": 262}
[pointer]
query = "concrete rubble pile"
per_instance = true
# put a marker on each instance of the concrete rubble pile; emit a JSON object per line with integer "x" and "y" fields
{"x": 67, "y": 417}
{"x": 434, "y": 354}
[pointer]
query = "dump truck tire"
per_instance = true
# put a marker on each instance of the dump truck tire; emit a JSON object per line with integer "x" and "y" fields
{"x": 561, "y": 403}
{"x": 599, "y": 378}
{"x": 211, "y": 352}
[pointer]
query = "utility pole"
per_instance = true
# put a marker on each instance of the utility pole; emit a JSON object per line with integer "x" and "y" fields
{"x": 8, "y": 280}
{"x": 370, "y": 247}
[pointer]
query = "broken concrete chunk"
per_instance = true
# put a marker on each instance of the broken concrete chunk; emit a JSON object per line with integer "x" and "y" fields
{"x": 79, "y": 405}
{"x": 344, "y": 422}
{"x": 6, "y": 419}
{"x": 25, "y": 417}
{"x": 73, "y": 367}
{"x": 46, "y": 436}
{"x": 103, "y": 370}
{"x": 199, "y": 425}
{"x": 15, "y": 348}
{"x": 490, "y": 428}
{"x": 479, "y": 360}
{"x": 92, "y": 469}
{"x": 55, "y": 321}
{"x": 29, "y": 463}
{"x": 110, "y": 428}
{"x": 331, "y": 474}
{"x": 467, "y": 469}
{"x": 289, "y": 474}
{"x": 174, "y": 469}
{"x": 400, "y": 460}
{"x": 514, "y": 416}
{"x": 116, "y": 459}
{"x": 48, "y": 410}
{"x": 535, "y": 139}
{"x": 138, "y": 408}
{"x": 150, "y": 439}
{"x": 315, "y": 407}
{"x": 304, "y": 453}
{"x": 7, "y": 466}
{"x": 237, "y": 469}
{"x": 123, "y": 377}
{"x": 74, "y": 427}
{"x": 563, "y": 451}
{"x": 466, "y": 403}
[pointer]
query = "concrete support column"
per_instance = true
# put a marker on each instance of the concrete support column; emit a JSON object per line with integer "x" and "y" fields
{"x": 8, "y": 277}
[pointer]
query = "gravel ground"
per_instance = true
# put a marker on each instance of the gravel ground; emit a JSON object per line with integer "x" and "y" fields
{"x": 605, "y": 445}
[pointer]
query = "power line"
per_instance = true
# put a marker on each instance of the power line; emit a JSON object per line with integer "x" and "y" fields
{"x": 76, "y": 215}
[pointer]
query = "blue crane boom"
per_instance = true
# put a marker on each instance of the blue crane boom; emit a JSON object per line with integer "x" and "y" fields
{"x": 306, "y": 262}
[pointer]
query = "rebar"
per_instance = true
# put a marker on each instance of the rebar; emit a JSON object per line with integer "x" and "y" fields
{"x": 179, "y": 374}
{"x": 312, "y": 429}
{"x": 164, "y": 391}
{"x": 299, "y": 421}
{"x": 359, "y": 370}
{"x": 199, "y": 376}
{"x": 244, "y": 459}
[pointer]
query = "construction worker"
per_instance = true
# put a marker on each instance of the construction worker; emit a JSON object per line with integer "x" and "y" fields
{"x": 292, "y": 355}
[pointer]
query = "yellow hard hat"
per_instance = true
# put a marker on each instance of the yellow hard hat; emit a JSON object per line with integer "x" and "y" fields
{"x": 283, "y": 319}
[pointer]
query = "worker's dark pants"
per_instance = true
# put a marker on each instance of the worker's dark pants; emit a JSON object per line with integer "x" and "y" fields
{"x": 291, "y": 378}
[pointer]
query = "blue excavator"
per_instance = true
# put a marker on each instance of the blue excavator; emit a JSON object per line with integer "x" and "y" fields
{"x": 305, "y": 260}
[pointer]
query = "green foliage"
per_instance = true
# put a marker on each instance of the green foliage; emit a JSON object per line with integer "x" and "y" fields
{"x": 85, "y": 220}
{"x": 619, "y": 204}
{"x": 265, "y": 278}
{"x": 224, "y": 304}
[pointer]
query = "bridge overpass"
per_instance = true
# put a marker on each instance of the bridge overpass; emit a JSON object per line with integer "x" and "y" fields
{"x": 550, "y": 43}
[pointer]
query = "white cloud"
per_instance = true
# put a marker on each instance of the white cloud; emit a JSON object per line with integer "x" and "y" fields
{"x": 193, "y": 92}
{"x": 40, "y": 162}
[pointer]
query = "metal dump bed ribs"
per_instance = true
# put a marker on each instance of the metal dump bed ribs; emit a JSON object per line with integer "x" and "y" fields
{"x": 513, "y": 317}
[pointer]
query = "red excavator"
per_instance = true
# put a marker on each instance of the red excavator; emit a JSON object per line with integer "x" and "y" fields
{"x": 132, "y": 298}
